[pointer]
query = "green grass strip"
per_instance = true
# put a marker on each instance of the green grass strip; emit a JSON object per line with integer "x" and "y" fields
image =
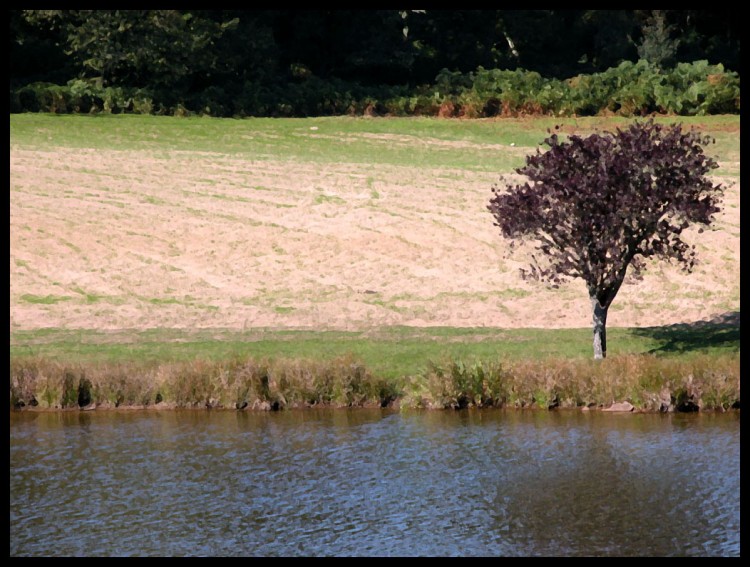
{"x": 389, "y": 352}
{"x": 475, "y": 145}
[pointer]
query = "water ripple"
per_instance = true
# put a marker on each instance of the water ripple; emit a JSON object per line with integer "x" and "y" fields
{"x": 373, "y": 483}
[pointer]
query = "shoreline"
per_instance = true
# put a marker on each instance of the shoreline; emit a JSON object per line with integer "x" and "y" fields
{"x": 627, "y": 383}
{"x": 395, "y": 407}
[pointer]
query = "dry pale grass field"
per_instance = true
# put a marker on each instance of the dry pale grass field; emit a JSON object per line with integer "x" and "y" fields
{"x": 141, "y": 238}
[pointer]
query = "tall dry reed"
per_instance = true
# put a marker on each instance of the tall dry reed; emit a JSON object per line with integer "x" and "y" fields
{"x": 649, "y": 383}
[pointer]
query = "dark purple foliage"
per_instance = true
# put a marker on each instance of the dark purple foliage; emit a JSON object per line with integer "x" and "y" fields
{"x": 596, "y": 205}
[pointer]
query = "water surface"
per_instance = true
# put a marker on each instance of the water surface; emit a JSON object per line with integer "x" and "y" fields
{"x": 374, "y": 483}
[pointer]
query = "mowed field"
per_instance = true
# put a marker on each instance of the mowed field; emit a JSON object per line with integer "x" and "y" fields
{"x": 144, "y": 222}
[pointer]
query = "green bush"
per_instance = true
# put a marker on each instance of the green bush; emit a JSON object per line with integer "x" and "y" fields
{"x": 698, "y": 89}
{"x": 630, "y": 89}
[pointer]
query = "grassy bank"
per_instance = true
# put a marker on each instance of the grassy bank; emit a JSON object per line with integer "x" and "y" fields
{"x": 161, "y": 260}
{"x": 665, "y": 368}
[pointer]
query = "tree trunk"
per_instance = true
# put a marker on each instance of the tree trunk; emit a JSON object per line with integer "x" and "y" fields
{"x": 600, "y": 329}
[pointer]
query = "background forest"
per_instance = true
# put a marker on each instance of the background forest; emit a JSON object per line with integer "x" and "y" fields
{"x": 471, "y": 63}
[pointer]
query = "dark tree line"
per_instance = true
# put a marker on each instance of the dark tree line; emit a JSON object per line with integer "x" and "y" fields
{"x": 186, "y": 51}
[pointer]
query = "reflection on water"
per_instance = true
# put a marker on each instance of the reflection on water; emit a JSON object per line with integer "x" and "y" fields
{"x": 374, "y": 482}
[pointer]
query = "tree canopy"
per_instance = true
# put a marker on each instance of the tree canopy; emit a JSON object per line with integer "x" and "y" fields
{"x": 599, "y": 205}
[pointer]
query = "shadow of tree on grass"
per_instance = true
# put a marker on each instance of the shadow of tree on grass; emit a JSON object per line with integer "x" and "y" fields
{"x": 722, "y": 331}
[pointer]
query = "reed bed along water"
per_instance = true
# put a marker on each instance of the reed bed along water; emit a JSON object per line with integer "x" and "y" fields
{"x": 638, "y": 382}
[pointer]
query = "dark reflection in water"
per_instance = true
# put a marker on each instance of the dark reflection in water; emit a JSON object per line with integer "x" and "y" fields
{"x": 374, "y": 483}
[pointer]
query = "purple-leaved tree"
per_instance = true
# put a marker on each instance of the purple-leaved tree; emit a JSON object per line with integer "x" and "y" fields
{"x": 595, "y": 206}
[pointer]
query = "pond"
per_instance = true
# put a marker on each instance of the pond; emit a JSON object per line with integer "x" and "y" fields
{"x": 374, "y": 483}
